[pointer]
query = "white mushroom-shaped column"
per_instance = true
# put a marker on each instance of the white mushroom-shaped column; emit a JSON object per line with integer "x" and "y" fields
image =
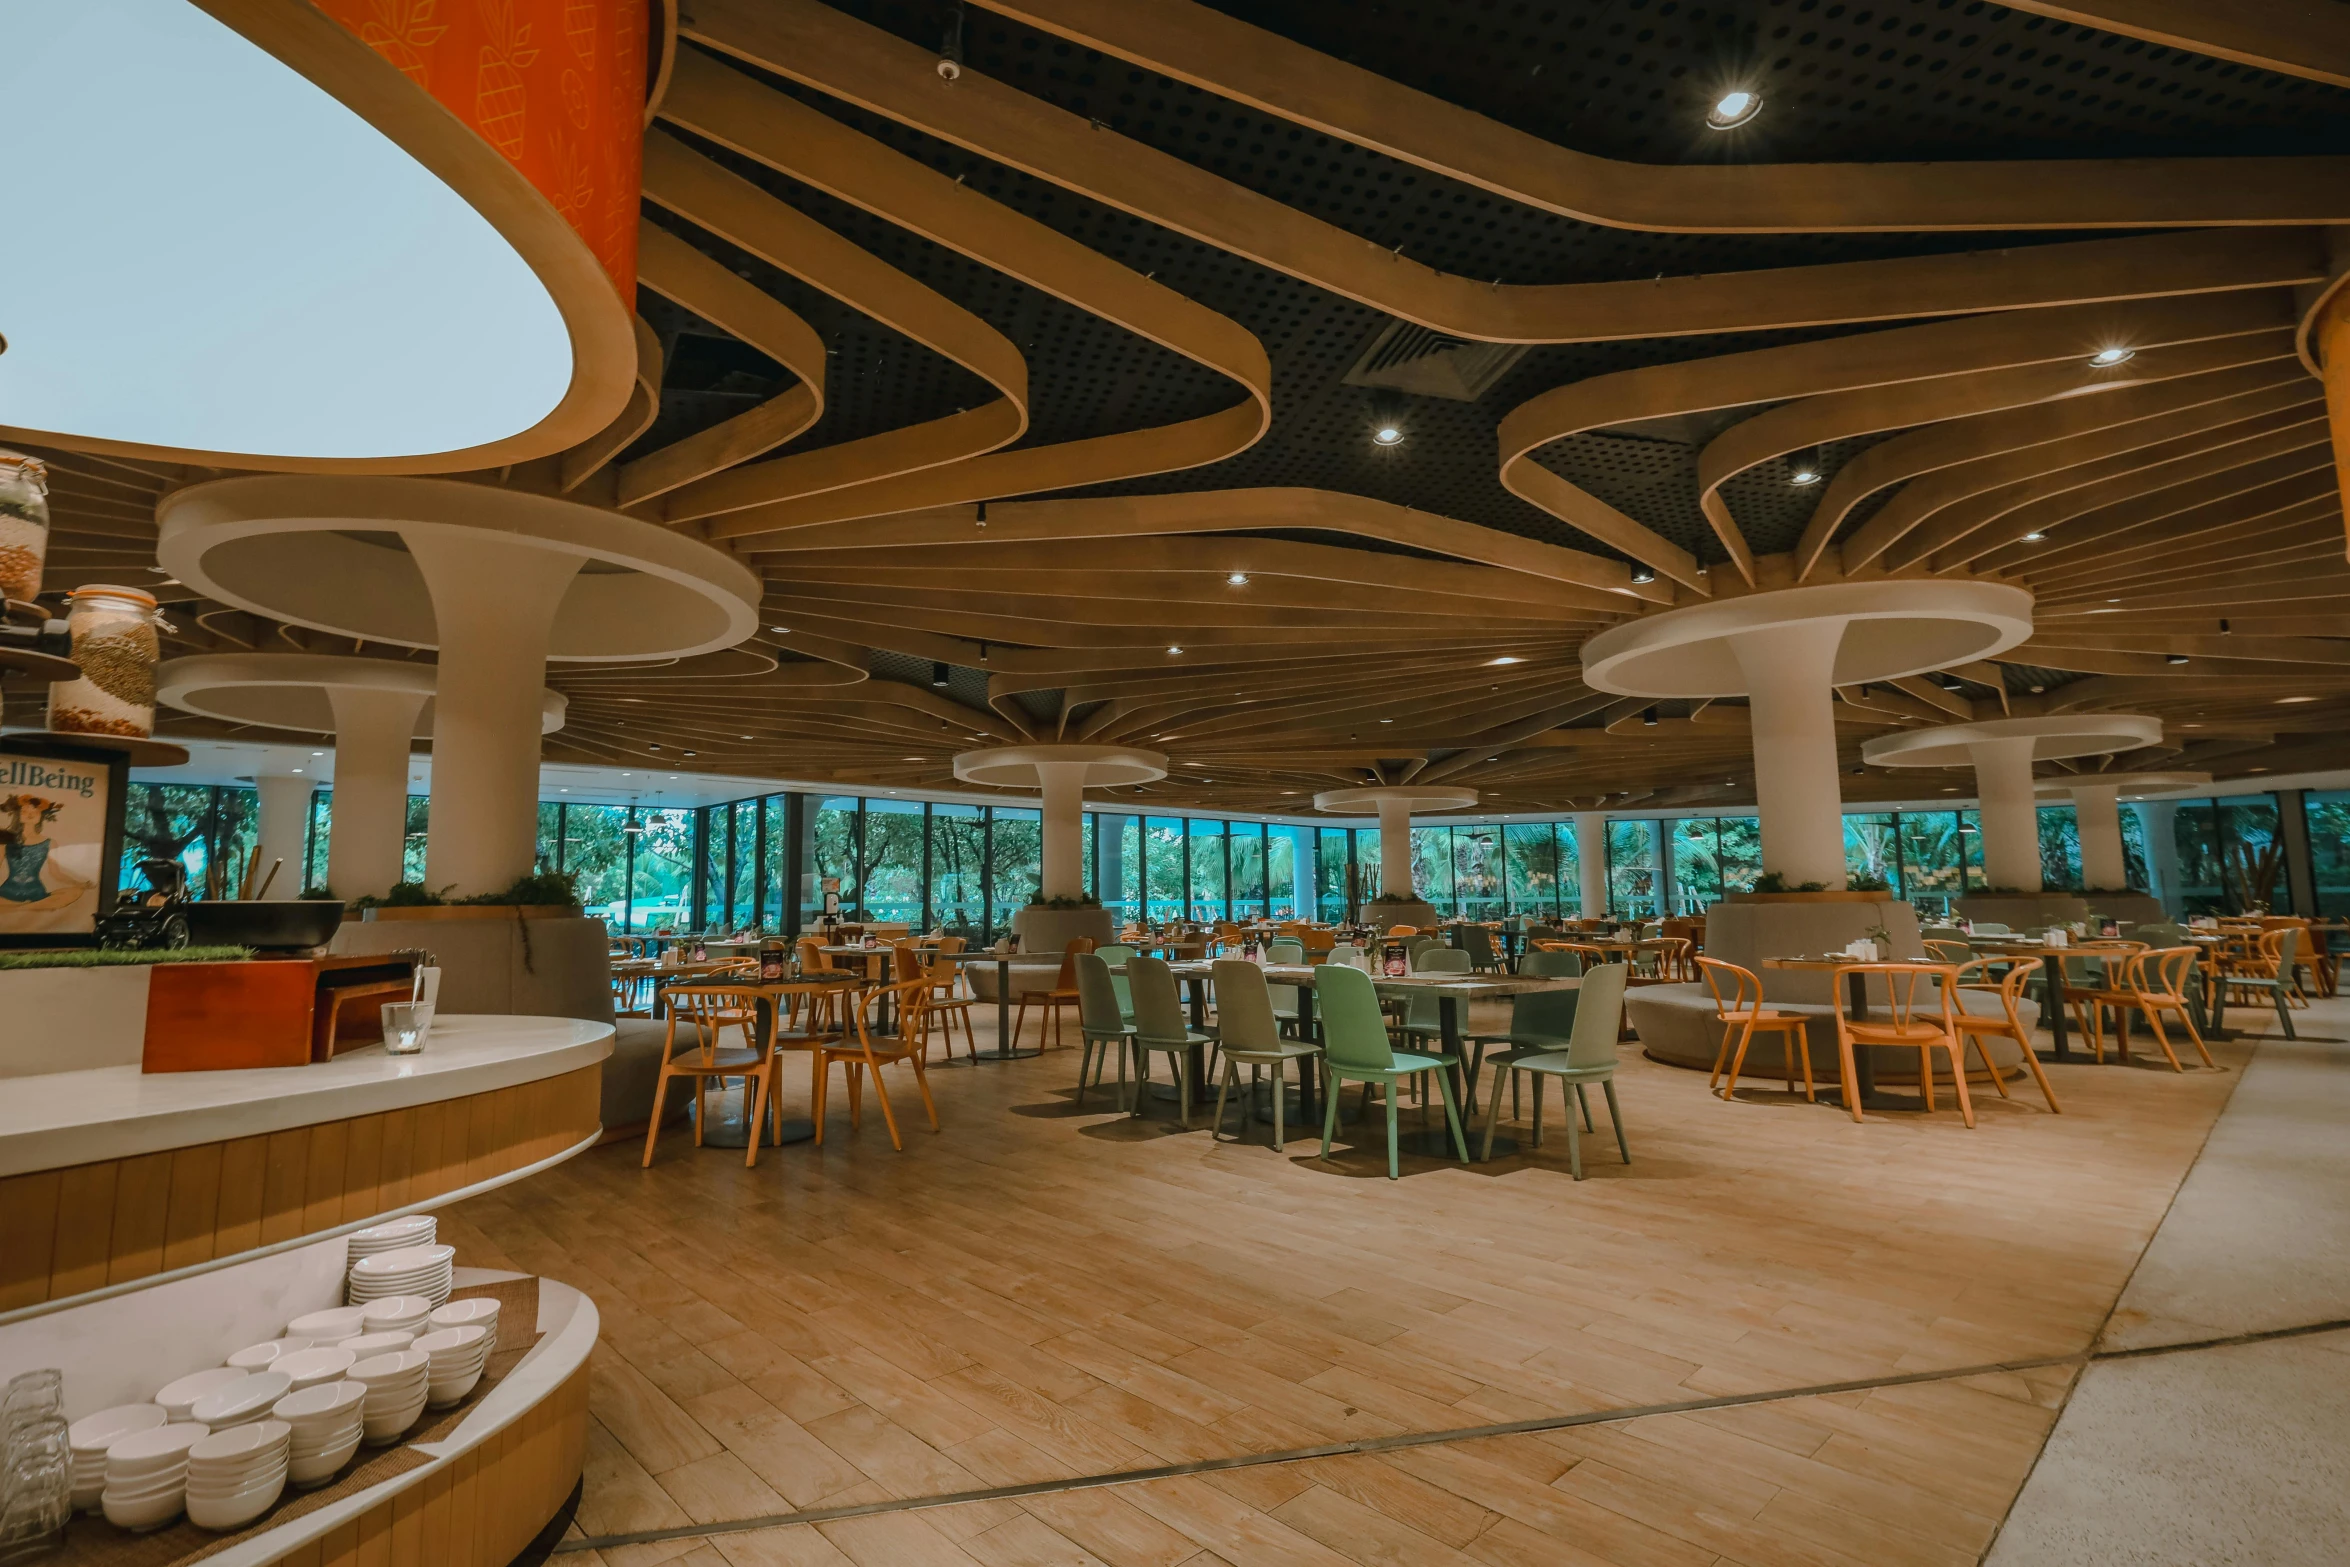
{"x": 499, "y": 581}
{"x": 1786, "y": 650}
{"x": 375, "y": 709}
{"x": 2002, "y": 751}
{"x": 1395, "y": 805}
{"x": 2097, "y": 813}
{"x": 1060, "y": 773}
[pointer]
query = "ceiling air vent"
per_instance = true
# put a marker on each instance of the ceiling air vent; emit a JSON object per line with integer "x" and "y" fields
{"x": 1414, "y": 359}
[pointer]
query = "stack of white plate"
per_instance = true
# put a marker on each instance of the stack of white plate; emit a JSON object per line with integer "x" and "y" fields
{"x": 458, "y": 1355}
{"x": 264, "y": 1355}
{"x": 396, "y": 1386}
{"x": 325, "y": 1329}
{"x": 92, "y": 1435}
{"x": 236, "y": 1476}
{"x": 314, "y": 1366}
{"x": 241, "y": 1402}
{"x": 477, "y": 1312}
{"x": 418, "y": 1229}
{"x": 179, "y": 1398}
{"x": 412, "y": 1270}
{"x": 147, "y": 1476}
{"x": 326, "y": 1429}
{"x": 399, "y": 1314}
{"x": 368, "y": 1345}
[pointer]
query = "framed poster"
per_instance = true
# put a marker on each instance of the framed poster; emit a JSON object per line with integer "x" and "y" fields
{"x": 61, "y": 810}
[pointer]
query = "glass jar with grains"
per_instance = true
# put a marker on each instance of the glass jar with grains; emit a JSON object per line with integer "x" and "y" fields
{"x": 114, "y": 643}
{"x": 24, "y": 524}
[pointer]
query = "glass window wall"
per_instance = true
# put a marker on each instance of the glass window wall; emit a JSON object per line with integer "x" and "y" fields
{"x": 1333, "y": 865}
{"x": 1247, "y": 840}
{"x": 1015, "y": 865}
{"x": 1631, "y": 869}
{"x": 958, "y": 854}
{"x": 1530, "y": 868}
{"x": 1208, "y": 885}
{"x": 891, "y": 888}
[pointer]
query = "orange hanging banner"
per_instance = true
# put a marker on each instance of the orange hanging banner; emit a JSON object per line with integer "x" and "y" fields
{"x": 558, "y": 86}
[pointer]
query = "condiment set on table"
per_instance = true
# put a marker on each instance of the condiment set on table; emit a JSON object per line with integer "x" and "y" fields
{"x": 222, "y": 1445}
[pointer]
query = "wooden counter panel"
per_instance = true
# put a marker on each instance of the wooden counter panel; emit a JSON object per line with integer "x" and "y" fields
{"x": 64, "y": 1232}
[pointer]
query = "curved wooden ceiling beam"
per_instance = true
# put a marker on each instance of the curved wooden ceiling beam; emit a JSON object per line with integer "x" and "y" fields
{"x": 2271, "y": 474}
{"x": 1228, "y": 57}
{"x": 2045, "y": 466}
{"x": 2304, "y": 39}
{"x": 574, "y": 467}
{"x": 1965, "y": 440}
{"x": 739, "y": 212}
{"x": 1863, "y": 360}
{"x": 725, "y": 106}
{"x": 823, "y": 48}
{"x": 684, "y": 276}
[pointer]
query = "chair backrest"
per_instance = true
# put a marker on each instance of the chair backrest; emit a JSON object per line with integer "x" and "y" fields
{"x": 1347, "y": 955}
{"x": 1318, "y": 940}
{"x": 910, "y": 1000}
{"x": 1282, "y": 949}
{"x": 1413, "y": 946}
{"x": 813, "y": 958}
{"x": 2159, "y": 933}
{"x": 1435, "y": 959}
{"x": 2163, "y": 972}
{"x": 1353, "y": 1031}
{"x": 1158, "y": 1009}
{"x": 1991, "y": 928}
{"x": 905, "y": 963}
{"x": 1244, "y": 1007}
{"x": 1745, "y": 988}
{"x": 704, "y": 1009}
{"x": 1909, "y": 988}
{"x": 1098, "y": 1011}
{"x": 1477, "y": 942}
{"x": 1949, "y": 951}
{"x": 1403, "y": 930}
{"x": 2286, "y": 944}
{"x": 1599, "y": 1016}
{"x": 2011, "y": 988}
{"x": 1537, "y": 1016}
{"x": 1550, "y": 965}
{"x": 950, "y": 945}
{"x": 1067, "y": 978}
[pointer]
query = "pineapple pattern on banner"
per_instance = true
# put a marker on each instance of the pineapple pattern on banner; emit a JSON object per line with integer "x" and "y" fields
{"x": 557, "y": 86}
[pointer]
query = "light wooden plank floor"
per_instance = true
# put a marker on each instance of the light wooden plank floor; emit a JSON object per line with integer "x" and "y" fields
{"x": 1036, "y": 1294}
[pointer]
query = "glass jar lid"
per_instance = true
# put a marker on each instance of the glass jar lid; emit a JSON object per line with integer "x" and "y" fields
{"x": 31, "y": 468}
{"x": 105, "y": 590}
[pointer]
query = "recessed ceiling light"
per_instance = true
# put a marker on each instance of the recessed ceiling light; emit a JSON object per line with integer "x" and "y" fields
{"x": 1387, "y": 720}
{"x": 913, "y": 759}
{"x": 2176, "y": 658}
{"x": 2039, "y": 690}
{"x": 2281, "y": 701}
{"x": 562, "y": 791}
{"x": 1805, "y": 473}
{"x": 318, "y": 753}
{"x": 1506, "y": 658}
{"x": 2112, "y": 356}
{"x": 747, "y": 737}
{"x": 1387, "y": 434}
{"x": 1643, "y": 574}
{"x": 297, "y": 769}
{"x": 1174, "y": 648}
{"x": 2034, "y": 538}
{"x": 1238, "y": 579}
{"x": 1733, "y": 109}
{"x": 781, "y": 631}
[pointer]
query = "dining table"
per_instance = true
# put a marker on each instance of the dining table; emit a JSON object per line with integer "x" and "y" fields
{"x": 1006, "y": 1048}
{"x": 1454, "y": 993}
{"x": 2051, "y": 975}
{"x": 727, "y": 1127}
{"x": 1856, "y": 1007}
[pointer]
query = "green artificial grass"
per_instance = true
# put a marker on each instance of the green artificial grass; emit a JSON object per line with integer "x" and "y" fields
{"x": 95, "y": 957}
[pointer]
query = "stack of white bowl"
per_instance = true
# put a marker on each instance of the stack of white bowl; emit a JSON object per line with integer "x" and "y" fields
{"x": 179, "y": 1398}
{"x": 418, "y": 1229}
{"x": 411, "y": 1270}
{"x": 147, "y": 1476}
{"x": 312, "y": 1367}
{"x": 237, "y": 1475}
{"x": 325, "y": 1329}
{"x": 325, "y": 1421}
{"x": 458, "y": 1355}
{"x": 368, "y": 1345}
{"x": 399, "y": 1314}
{"x": 265, "y": 1355}
{"x": 396, "y": 1388}
{"x": 477, "y": 1312}
{"x": 92, "y": 1435}
{"x": 241, "y": 1402}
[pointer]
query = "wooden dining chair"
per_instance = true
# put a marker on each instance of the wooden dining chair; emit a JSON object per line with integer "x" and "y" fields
{"x": 1050, "y": 1002}
{"x": 2153, "y": 982}
{"x": 951, "y": 997}
{"x": 1742, "y": 1016}
{"x": 2007, "y": 1023}
{"x": 1909, "y": 1025}
{"x": 704, "y": 1012}
{"x": 868, "y": 1048}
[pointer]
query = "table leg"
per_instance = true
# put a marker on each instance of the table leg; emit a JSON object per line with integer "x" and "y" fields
{"x": 1437, "y": 1144}
{"x": 727, "y": 1127}
{"x": 1309, "y": 1069}
{"x": 1004, "y": 1049}
{"x": 2056, "y": 1020}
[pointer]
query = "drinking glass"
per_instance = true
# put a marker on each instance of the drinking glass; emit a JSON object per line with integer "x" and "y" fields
{"x": 36, "y": 1484}
{"x": 405, "y": 1023}
{"x": 30, "y": 1395}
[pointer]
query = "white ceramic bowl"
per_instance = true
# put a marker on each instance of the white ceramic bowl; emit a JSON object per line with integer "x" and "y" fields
{"x": 92, "y": 1435}
{"x": 440, "y": 1395}
{"x": 332, "y": 1325}
{"x": 155, "y": 1451}
{"x": 406, "y": 1260}
{"x": 140, "y": 1514}
{"x": 306, "y": 1443}
{"x": 179, "y": 1398}
{"x": 417, "y": 1229}
{"x": 397, "y": 1311}
{"x": 315, "y": 1469}
{"x": 241, "y": 1401}
{"x": 315, "y": 1366}
{"x": 243, "y": 1480}
{"x": 474, "y": 1312}
{"x": 456, "y": 1346}
{"x": 262, "y": 1356}
{"x": 243, "y": 1448}
{"x": 234, "y": 1512}
{"x": 320, "y": 1407}
{"x": 394, "y": 1368}
{"x": 369, "y": 1345}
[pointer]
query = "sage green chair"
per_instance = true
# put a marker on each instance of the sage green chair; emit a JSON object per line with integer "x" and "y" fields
{"x": 2288, "y": 942}
{"x": 1159, "y": 1025}
{"x": 1347, "y": 955}
{"x": 1423, "y": 1016}
{"x": 1551, "y": 965}
{"x": 1477, "y": 942}
{"x": 1355, "y": 1049}
{"x": 1540, "y": 1020}
{"x": 1103, "y": 1024}
{"x": 1249, "y": 1035}
{"x": 1589, "y": 1057}
{"x": 1284, "y": 950}
{"x": 1116, "y": 958}
{"x": 1413, "y": 946}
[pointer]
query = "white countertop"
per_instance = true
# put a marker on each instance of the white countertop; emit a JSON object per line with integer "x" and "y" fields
{"x": 114, "y": 1112}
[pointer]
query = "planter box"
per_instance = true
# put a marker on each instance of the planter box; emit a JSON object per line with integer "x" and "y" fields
{"x": 475, "y": 911}
{"x": 1878, "y": 896}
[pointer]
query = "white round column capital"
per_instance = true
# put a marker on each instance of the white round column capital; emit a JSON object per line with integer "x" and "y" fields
{"x": 333, "y": 552}
{"x": 1912, "y": 626}
{"x": 2051, "y": 738}
{"x": 2129, "y": 786}
{"x": 296, "y": 690}
{"x": 1415, "y": 798}
{"x": 1023, "y": 766}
